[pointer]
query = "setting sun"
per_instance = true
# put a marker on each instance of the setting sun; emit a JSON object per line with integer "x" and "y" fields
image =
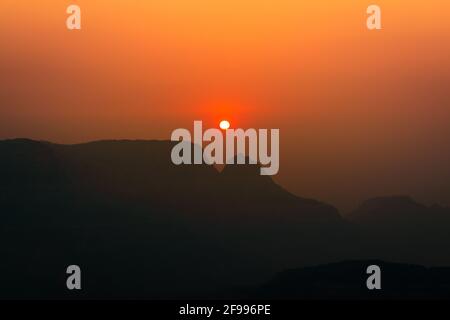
{"x": 224, "y": 124}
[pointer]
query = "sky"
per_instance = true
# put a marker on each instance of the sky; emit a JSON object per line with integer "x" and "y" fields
{"x": 361, "y": 113}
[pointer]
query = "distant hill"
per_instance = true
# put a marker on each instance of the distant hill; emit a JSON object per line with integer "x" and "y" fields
{"x": 400, "y": 212}
{"x": 389, "y": 209}
{"x": 347, "y": 280}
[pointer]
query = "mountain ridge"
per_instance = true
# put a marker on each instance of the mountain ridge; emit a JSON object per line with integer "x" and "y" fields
{"x": 123, "y": 210}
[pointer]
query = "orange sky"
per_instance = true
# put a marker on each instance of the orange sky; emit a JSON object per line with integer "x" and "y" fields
{"x": 362, "y": 113}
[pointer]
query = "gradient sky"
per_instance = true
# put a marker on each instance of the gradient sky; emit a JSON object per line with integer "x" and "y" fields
{"x": 361, "y": 113}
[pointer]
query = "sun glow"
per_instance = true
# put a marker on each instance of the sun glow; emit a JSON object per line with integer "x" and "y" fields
{"x": 224, "y": 125}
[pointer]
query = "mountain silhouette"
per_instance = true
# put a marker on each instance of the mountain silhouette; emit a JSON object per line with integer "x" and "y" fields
{"x": 393, "y": 208}
{"x": 347, "y": 280}
{"x": 400, "y": 212}
{"x": 108, "y": 202}
{"x": 121, "y": 210}
{"x": 142, "y": 172}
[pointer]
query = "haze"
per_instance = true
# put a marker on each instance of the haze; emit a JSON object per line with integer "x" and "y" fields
{"x": 361, "y": 113}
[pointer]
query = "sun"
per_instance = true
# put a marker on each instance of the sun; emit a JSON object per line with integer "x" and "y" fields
{"x": 224, "y": 125}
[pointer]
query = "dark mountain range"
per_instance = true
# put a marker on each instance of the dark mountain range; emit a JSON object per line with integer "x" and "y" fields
{"x": 142, "y": 172}
{"x": 123, "y": 210}
{"x": 398, "y": 210}
{"x": 141, "y": 227}
{"x": 404, "y": 229}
